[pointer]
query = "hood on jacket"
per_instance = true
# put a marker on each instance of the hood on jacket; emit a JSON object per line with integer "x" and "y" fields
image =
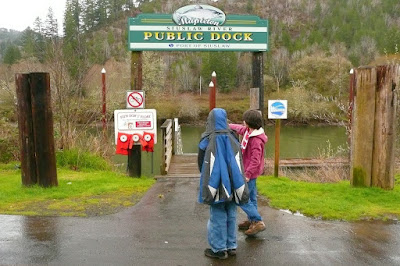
{"x": 216, "y": 120}
{"x": 260, "y": 134}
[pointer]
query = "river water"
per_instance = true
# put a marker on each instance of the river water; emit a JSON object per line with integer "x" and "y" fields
{"x": 295, "y": 142}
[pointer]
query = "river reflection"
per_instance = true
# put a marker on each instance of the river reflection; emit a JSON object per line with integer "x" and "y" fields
{"x": 295, "y": 142}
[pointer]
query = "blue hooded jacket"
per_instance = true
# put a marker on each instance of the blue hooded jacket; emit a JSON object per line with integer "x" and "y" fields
{"x": 220, "y": 162}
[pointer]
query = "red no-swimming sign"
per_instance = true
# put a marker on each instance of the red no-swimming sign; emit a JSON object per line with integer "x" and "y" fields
{"x": 135, "y": 99}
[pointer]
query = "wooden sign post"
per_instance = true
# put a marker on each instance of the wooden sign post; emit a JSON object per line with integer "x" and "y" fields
{"x": 277, "y": 109}
{"x": 135, "y": 155}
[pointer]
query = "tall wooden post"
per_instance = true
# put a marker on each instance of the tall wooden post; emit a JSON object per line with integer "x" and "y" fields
{"x": 277, "y": 148}
{"x": 25, "y": 125}
{"x": 351, "y": 95}
{"x": 255, "y": 98}
{"x": 258, "y": 77}
{"x": 363, "y": 127}
{"x": 213, "y": 91}
{"x": 385, "y": 126}
{"x": 135, "y": 155}
{"x": 373, "y": 128}
{"x": 103, "y": 116}
{"x": 351, "y": 106}
{"x": 36, "y": 129}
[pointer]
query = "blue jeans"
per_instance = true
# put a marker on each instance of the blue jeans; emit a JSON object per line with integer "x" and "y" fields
{"x": 250, "y": 208}
{"x": 221, "y": 227}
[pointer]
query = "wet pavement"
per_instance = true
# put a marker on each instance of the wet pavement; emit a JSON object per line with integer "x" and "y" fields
{"x": 168, "y": 227}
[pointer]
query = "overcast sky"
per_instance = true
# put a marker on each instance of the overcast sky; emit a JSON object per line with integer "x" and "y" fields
{"x": 20, "y": 14}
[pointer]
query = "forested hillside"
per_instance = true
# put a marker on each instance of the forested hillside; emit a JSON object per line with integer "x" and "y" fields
{"x": 313, "y": 45}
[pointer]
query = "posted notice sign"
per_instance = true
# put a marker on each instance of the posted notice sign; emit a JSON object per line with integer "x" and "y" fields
{"x": 277, "y": 109}
{"x": 135, "y": 121}
{"x": 135, "y": 99}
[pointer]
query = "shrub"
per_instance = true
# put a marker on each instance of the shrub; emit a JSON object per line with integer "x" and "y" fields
{"x": 322, "y": 74}
{"x": 189, "y": 109}
{"x": 306, "y": 106}
{"x": 9, "y": 147}
{"x": 6, "y": 152}
{"x": 76, "y": 159}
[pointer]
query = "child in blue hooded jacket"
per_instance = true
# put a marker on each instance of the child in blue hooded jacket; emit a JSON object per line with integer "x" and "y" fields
{"x": 222, "y": 183}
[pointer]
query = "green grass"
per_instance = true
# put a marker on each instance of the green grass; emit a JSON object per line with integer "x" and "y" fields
{"x": 76, "y": 159}
{"x": 79, "y": 193}
{"x": 332, "y": 201}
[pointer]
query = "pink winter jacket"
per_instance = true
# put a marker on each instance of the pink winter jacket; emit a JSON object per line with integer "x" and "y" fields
{"x": 253, "y": 155}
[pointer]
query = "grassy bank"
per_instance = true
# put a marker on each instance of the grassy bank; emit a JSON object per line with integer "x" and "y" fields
{"x": 332, "y": 201}
{"x": 79, "y": 193}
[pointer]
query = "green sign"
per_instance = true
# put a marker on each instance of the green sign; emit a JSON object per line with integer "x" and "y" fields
{"x": 197, "y": 28}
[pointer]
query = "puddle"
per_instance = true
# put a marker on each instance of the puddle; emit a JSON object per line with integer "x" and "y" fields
{"x": 293, "y": 213}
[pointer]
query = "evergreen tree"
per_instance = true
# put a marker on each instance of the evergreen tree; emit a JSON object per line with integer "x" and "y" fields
{"x": 50, "y": 30}
{"x": 102, "y": 9}
{"x": 38, "y": 26}
{"x": 128, "y": 4}
{"x": 40, "y": 44}
{"x": 72, "y": 19}
{"x": 89, "y": 14}
{"x": 11, "y": 54}
{"x": 225, "y": 65}
{"x": 28, "y": 42}
{"x": 115, "y": 8}
{"x": 74, "y": 49}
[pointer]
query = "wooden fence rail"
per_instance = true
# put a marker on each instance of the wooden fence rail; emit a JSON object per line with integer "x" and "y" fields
{"x": 167, "y": 145}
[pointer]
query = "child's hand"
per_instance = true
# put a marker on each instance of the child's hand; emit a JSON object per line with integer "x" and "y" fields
{"x": 247, "y": 179}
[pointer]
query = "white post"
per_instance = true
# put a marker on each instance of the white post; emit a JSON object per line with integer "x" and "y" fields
{"x": 200, "y": 85}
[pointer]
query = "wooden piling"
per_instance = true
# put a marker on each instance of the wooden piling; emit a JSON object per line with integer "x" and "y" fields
{"x": 43, "y": 129}
{"x": 211, "y": 100}
{"x": 384, "y": 134}
{"x": 35, "y": 122}
{"x": 373, "y": 129}
{"x": 213, "y": 91}
{"x": 363, "y": 127}
{"x": 104, "y": 103}
{"x": 25, "y": 126}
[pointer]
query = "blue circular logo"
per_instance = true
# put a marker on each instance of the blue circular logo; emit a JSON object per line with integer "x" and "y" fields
{"x": 277, "y": 108}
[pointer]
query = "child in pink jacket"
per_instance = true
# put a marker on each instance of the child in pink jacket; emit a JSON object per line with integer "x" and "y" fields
{"x": 252, "y": 144}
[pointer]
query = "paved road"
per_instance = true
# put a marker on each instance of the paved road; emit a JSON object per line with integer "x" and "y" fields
{"x": 168, "y": 227}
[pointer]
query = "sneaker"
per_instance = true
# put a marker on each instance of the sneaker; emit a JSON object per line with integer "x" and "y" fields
{"x": 255, "y": 227}
{"x": 218, "y": 255}
{"x": 232, "y": 252}
{"x": 244, "y": 225}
